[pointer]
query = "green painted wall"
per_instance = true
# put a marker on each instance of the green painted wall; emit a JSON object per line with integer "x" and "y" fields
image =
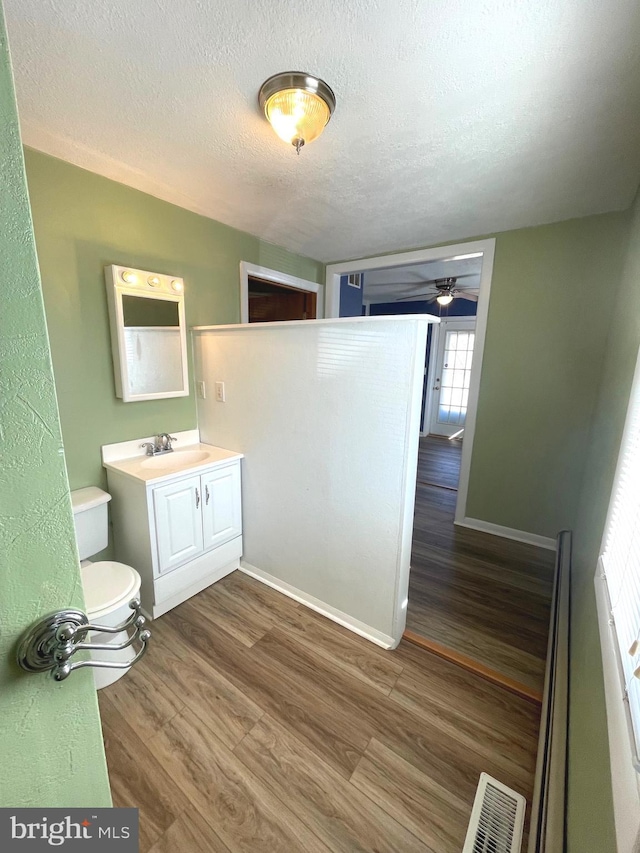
{"x": 546, "y": 335}
{"x": 590, "y": 810}
{"x": 82, "y": 223}
{"x": 50, "y": 742}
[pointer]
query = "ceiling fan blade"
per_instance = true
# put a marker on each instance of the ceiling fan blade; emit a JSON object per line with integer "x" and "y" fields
{"x": 419, "y": 283}
{"x": 403, "y": 287}
{"x": 470, "y": 297}
{"x": 416, "y": 296}
{"x": 443, "y": 278}
{"x": 398, "y": 284}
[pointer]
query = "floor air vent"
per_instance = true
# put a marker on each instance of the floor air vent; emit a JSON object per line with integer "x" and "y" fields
{"x": 497, "y": 819}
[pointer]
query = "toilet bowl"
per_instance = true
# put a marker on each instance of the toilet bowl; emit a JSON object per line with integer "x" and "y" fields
{"x": 108, "y": 586}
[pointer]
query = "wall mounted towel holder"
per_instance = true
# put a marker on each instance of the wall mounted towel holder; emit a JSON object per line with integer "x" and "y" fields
{"x": 49, "y": 644}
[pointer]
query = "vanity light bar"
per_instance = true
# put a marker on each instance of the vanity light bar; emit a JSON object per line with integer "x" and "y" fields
{"x": 151, "y": 280}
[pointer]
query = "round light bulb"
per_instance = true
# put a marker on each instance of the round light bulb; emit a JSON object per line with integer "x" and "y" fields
{"x": 153, "y": 280}
{"x": 444, "y": 299}
{"x": 129, "y": 277}
{"x": 177, "y": 285}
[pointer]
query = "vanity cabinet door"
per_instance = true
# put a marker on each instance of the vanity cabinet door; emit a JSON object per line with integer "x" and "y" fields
{"x": 221, "y": 505}
{"x": 177, "y": 509}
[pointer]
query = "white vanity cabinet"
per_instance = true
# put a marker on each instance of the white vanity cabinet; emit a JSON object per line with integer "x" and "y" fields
{"x": 221, "y": 505}
{"x": 196, "y": 514}
{"x": 181, "y": 530}
{"x": 178, "y": 522}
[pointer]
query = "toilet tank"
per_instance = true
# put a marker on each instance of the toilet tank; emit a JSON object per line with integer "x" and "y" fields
{"x": 91, "y": 520}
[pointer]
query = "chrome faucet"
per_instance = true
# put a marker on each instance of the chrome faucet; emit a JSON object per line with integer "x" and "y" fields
{"x": 160, "y": 444}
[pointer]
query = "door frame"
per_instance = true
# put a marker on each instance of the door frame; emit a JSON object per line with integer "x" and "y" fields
{"x": 275, "y": 277}
{"x": 486, "y": 248}
{"x": 438, "y": 330}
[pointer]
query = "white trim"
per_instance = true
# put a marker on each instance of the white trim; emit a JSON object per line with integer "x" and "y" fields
{"x": 624, "y": 779}
{"x": 508, "y": 533}
{"x": 487, "y": 249}
{"x": 338, "y": 616}
{"x": 247, "y": 269}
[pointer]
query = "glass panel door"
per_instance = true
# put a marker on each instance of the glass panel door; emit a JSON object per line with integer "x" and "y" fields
{"x": 453, "y": 376}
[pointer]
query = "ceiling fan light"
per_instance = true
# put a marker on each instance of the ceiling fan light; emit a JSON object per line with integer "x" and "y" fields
{"x": 297, "y": 105}
{"x": 444, "y": 298}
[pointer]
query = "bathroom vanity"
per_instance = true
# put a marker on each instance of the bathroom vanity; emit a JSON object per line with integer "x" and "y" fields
{"x": 176, "y": 517}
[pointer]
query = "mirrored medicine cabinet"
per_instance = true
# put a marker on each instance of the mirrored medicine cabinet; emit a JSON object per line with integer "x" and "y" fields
{"x": 148, "y": 334}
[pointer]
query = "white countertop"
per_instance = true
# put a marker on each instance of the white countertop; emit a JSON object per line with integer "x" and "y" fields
{"x": 184, "y": 460}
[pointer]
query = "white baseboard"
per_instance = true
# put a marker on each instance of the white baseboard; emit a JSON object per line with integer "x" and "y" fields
{"x": 338, "y": 616}
{"x": 508, "y": 533}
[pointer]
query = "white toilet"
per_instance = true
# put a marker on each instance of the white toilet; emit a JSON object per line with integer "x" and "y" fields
{"x": 108, "y": 586}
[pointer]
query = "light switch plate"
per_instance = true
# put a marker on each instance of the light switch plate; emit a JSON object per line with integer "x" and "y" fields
{"x": 220, "y": 392}
{"x": 201, "y": 389}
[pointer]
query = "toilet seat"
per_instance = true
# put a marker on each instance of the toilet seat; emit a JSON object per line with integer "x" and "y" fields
{"x": 108, "y": 585}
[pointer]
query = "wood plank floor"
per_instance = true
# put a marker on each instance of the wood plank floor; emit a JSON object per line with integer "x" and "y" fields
{"x": 482, "y": 596}
{"x": 439, "y": 462}
{"x": 254, "y": 724}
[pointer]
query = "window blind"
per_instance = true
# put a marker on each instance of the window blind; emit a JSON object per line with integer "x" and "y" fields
{"x": 620, "y": 559}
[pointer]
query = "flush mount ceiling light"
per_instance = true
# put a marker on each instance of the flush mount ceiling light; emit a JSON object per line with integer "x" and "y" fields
{"x": 297, "y": 105}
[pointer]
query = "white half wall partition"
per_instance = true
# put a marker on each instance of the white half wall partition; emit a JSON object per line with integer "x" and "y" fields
{"x": 327, "y": 413}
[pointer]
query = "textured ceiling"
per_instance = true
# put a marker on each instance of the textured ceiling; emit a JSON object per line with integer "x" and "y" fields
{"x": 454, "y": 118}
{"x": 388, "y": 285}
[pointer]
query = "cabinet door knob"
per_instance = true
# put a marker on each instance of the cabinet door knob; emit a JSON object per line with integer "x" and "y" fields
{"x": 197, "y": 497}
{"x": 206, "y": 495}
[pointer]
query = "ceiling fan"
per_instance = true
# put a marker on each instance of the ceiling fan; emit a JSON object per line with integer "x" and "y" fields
{"x": 443, "y": 290}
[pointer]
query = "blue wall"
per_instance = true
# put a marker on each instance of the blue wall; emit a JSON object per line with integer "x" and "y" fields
{"x": 350, "y": 299}
{"x": 458, "y": 308}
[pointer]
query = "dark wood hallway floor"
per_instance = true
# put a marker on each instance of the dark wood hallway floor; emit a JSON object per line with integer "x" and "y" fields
{"x": 254, "y": 725}
{"x": 482, "y": 596}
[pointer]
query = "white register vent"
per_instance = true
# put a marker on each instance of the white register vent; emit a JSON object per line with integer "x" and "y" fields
{"x": 497, "y": 819}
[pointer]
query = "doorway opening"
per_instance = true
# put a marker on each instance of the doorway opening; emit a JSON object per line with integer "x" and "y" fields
{"x": 445, "y": 401}
{"x": 452, "y": 358}
{"x": 269, "y": 302}
{"x": 268, "y": 295}
{"x": 415, "y": 282}
{"x": 471, "y": 598}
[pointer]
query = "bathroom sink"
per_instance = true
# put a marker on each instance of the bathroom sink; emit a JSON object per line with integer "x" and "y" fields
{"x": 152, "y": 469}
{"x": 175, "y": 460}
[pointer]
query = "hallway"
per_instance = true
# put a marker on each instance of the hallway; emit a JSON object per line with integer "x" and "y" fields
{"x": 480, "y": 596}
